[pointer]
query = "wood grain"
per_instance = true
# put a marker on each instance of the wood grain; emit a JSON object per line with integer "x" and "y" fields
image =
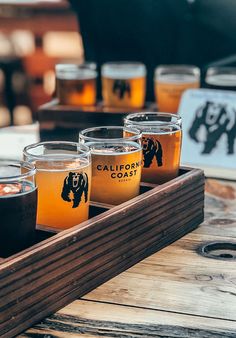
{"x": 174, "y": 283}
{"x": 92, "y": 319}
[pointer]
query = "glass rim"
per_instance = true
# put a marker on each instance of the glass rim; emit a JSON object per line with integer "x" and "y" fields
{"x": 177, "y": 117}
{"x": 85, "y": 65}
{"x": 135, "y": 137}
{"x": 20, "y": 164}
{"x": 115, "y": 66}
{"x": 218, "y": 70}
{"x": 221, "y": 68}
{"x": 177, "y": 67}
{"x": 85, "y": 151}
{"x": 82, "y": 70}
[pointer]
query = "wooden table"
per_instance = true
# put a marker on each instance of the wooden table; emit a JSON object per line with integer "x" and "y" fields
{"x": 176, "y": 292}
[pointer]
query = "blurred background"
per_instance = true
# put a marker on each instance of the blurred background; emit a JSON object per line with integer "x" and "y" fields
{"x": 36, "y": 35}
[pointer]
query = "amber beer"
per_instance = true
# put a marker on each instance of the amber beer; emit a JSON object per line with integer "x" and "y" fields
{"x": 170, "y": 82}
{"x": 116, "y": 163}
{"x": 124, "y": 84}
{"x": 161, "y": 142}
{"x": 63, "y": 176}
{"x": 76, "y": 84}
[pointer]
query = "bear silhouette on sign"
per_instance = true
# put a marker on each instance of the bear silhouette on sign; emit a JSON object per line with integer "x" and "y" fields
{"x": 151, "y": 148}
{"x": 217, "y": 121}
{"x": 76, "y": 183}
{"x": 120, "y": 88}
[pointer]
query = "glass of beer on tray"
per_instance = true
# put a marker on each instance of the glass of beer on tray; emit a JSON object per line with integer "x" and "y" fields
{"x": 170, "y": 81}
{"x": 76, "y": 84}
{"x": 124, "y": 84}
{"x": 116, "y": 163}
{"x": 161, "y": 142}
{"x": 18, "y": 206}
{"x": 223, "y": 78}
{"x": 63, "y": 176}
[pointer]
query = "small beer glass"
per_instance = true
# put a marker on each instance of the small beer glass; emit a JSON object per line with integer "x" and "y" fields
{"x": 161, "y": 142}
{"x": 116, "y": 163}
{"x": 76, "y": 84}
{"x": 124, "y": 84}
{"x": 18, "y": 206}
{"x": 170, "y": 81}
{"x": 223, "y": 78}
{"x": 63, "y": 176}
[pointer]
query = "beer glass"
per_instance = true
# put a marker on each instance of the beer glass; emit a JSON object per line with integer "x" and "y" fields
{"x": 170, "y": 81}
{"x": 116, "y": 163}
{"x": 124, "y": 84}
{"x": 221, "y": 78}
{"x": 76, "y": 84}
{"x": 161, "y": 142}
{"x": 63, "y": 176}
{"x": 18, "y": 206}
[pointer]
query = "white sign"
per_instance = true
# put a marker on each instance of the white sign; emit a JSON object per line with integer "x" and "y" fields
{"x": 14, "y": 139}
{"x": 209, "y": 131}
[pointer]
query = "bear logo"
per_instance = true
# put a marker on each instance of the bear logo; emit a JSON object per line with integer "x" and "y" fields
{"x": 79, "y": 87}
{"x": 151, "y": 148}
{"x": 120, "y": 88}
{"x": 77, "y": 184}
{"x": 216, "y": 120}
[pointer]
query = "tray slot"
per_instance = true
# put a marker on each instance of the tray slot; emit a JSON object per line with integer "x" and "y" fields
{"x": 98, "y": 208}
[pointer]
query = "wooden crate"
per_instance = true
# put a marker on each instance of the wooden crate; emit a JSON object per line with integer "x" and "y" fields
{"x": 67, "y": 121}
{"x": 45, "y": 277}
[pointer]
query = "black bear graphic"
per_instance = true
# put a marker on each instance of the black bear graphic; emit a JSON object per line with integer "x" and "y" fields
{"x": 151, "y": 148}
{"x": 120, "y": 87}
{"x": 79, "y": 87}
{"x": 77, "y": 183}
{"x": 217, "y": 121}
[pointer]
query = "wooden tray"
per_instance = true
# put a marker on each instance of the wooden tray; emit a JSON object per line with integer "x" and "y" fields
{"x": 42, "y": 279}
{"x": 66, "y": 121}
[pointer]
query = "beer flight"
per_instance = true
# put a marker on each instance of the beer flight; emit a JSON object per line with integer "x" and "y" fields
{"x": 124, "y": 84}
{"x": 56, "y": 180}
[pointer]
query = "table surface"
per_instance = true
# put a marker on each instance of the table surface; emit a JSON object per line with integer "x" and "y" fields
{"x": 176, "y": 292}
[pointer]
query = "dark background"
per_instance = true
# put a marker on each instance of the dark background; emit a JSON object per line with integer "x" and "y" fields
{"x": 157, "y": 32}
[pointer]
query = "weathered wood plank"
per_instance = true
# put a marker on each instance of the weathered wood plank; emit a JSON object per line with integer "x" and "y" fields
{"x": 177, "y": 280}
{"x": 92, "y": 319}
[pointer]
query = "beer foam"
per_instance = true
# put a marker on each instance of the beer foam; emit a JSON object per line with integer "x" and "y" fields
{"x": 176, "y": 78}
{"x": 114, "y": 150}
{"x": 12, "y": 189}
{"x": 227, "y": 80}
{"x": 60, "y": 166}
{"x": 123, "y": 71}
{"x": 76, "y": 74}
{"x": 166, "y": 131}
